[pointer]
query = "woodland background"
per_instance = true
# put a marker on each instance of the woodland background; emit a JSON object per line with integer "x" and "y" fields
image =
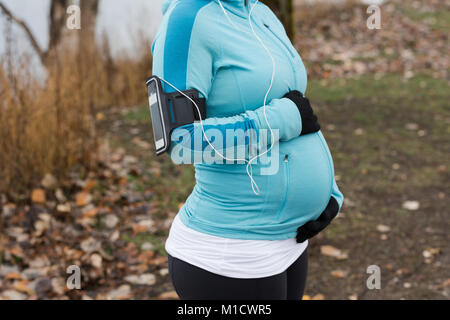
{"x": 80, "y": 185}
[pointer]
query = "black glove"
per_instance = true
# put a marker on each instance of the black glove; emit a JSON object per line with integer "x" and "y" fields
{"x": 309, "y": 119}
{"x": 312, "y": 228}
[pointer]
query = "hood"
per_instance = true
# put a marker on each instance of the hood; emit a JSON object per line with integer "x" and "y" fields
{"x": 232, "y": 5}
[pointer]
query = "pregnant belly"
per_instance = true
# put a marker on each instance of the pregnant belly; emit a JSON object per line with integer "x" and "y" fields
{"x": 308, "y": 178}
{"x": 296, "y": 190}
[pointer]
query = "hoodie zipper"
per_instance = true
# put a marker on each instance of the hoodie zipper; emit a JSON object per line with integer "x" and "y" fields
{"x": 287, "y": 183}
{"x": 280, "y": 40}
{"x": 290, "y": 57}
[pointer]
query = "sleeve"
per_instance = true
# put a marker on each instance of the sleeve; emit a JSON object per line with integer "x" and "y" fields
{"x": 184, "y": 55}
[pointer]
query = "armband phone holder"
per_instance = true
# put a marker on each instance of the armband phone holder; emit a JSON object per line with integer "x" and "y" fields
{"x": 170, "y": 111}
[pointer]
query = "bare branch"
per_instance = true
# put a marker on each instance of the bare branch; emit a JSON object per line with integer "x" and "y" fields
{"x": 42, "y": 54}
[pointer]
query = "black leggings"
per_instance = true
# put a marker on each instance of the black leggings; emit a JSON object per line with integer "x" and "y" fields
{"x": 193, "y": 283}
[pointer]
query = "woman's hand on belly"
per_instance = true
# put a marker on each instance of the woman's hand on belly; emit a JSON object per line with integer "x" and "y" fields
{"x": 312, "y": 228}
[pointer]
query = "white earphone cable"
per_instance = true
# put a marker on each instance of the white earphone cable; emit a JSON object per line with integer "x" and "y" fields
{"x": 228, "y": 17}
{"x": 270, "y": 86}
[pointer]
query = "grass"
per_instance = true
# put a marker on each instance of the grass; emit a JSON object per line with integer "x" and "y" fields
{"x": 388, "y": 89}
{"x": 388, "y": 162}
{"x": 384, "y": 112}
{"x": 438, "y": 20}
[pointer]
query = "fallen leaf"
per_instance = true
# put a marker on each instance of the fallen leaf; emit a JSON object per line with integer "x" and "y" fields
{"x": 383, "y": 228}
{"x": 339, "y": 273}
{"x": 359, "y": 132}
{"x": 13, "y": 295}
{"x": 91, "y": 213}
{"x": 402, "y": 271}
{"x": 13, "y": 276}
{"x": 22, "y": 286}
{"x": 430, "y": 252}
{"x": 138, "y": 229}
{"x": 59, "y": 194}
{"x": 146, "y": 257}
{"x": 58, "y": 285}
{"x": 17, "y": 251}
{"x": 38, "y": 196}
{"x": 121, "y": 293}
{"x": 141, "y": 143}
{"x": 144, "y": 279}
{"x": 161, "y": 260}
{"x": 168, "y": 295}
{"x": 143, "y": 226}
{"x": 445, "y": 283}
{"x": 96, "y": 260}
{"x": 8, "y": 210}
{"x": 63, "y": 208}
{"x": 89, "y": 185}
{"x": 90, "y": 245}
{"x": 412, "y": 126}
{"x": 147, "y": 246}
{"x": 111, "y": 221}
{"x": 100, "y": 116}
{"x": 411, "y": 205}
{"x": 83, "y": 199}
{"x": 49, "y": 181}
{"x": 331, "y": 251}
{"x": 164, "y": 272}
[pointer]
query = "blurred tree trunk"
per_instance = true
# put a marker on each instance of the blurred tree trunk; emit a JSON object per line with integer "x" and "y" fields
{"x": 57, "y": 22}
{"x": 88, "y": 57}
{"x": 284, "y": 10}
{"x": 89, "y": 11}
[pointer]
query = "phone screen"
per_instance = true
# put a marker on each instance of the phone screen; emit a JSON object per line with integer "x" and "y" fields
{"x": 158, "y": 133}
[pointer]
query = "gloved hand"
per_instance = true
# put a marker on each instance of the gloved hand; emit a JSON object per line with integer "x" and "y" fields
{"x": 312, "y": 228}
{"x": 309, "y": 119}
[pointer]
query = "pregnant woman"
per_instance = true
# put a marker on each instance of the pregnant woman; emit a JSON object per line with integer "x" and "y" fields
{"x": 242, "y": 233}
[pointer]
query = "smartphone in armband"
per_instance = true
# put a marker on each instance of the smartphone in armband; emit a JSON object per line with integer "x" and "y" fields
{"x": 171, "y": 110}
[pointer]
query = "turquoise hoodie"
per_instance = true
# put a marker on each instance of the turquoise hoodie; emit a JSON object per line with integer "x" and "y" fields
{"x": 197, "y": 47}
